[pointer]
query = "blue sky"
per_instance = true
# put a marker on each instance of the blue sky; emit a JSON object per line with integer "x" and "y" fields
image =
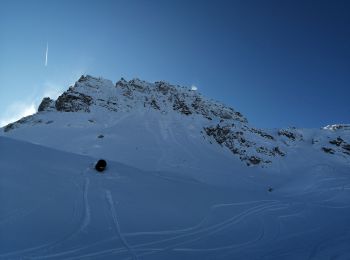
{"x": 281, "y": 63}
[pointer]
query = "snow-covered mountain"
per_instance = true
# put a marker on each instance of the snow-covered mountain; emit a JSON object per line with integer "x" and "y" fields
{"x": 187, "y": 178}
{"x": 147, "y": 124}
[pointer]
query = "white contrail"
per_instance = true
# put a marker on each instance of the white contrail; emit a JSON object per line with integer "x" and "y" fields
{"x": 47, "y": 52}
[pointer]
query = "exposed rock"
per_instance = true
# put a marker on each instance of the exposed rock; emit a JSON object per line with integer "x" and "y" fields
{"x": 9, "y": 127}
{"x": 262, "y": 133}
{"x": 278, "y": 151}
{"x": 72, "y": 101}
{"x": 154, "y": 104}
{"x": 180, "y": 105}
{"x": 291, "y": 134}
{"x": 328, "y": 150}
{"x": 254, "y": 160}
{"x": 346, "y": 147}
{"x": 337, "y": 127}
{"x": 286, "y": 133}
{"x": 47, "y": 104}
{"x": 122, "y": 83}
{"x": 337, "y": 141}
{"x": 138, "y": 85}
{"x": 25, "y": 120}
{"x": 242, "y": 145}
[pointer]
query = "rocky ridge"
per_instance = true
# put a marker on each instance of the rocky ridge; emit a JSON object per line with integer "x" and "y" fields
{"x": 221, "y": 124}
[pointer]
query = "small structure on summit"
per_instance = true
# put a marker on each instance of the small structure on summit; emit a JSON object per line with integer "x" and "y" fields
{"x": 101, "y": 165}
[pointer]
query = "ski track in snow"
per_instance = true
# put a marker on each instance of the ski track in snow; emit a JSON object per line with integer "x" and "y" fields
{"x": 179, "y": 238}
{"x": 187, "y": 235}
{"x": 85, "y": 220}
{"x": 270, "y": 205}
{"x": 306, "y": 216}
{"x": 46, "y": 246}
{"x": 110, "y": 201}
{"x": 87, "y": 213}
{"x": 21, "y": 213}
{"x": 207, "y": 231}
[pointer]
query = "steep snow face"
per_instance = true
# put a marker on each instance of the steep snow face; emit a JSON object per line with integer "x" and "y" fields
{"x": 162, "y": 126}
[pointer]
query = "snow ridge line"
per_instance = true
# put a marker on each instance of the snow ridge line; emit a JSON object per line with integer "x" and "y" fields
{"x": 110, "y": 201}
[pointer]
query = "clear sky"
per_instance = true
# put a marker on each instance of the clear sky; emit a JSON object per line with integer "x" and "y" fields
{"x": 281, "y": 63}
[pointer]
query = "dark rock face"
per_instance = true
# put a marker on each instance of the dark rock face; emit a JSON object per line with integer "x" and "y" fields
{"x": 286, "y": 133}
{"x": 83, "y": 78}
{"x": 163, "y": 87}
{"x": 254, "y": 160}
{"x": 47, "y": 104}
{"x": 328, "y": 150}
{"x": 242, "y": 141}
{"x": 262, "y": 133}
{"x": 101, "y": 165}
{"x": 180, "y": 105}
{"x": 346, "y": 147}
{"x": 154, "y": 104}
{"x": 337, "y": 141}
{"x": 72, "y": 101}
{"x": 278, "y": 151}
{"x": 339, "y": 146}
{"x": 25, "y": 120}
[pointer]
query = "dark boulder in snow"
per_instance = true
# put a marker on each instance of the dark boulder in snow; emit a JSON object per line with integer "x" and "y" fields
{"x": 328, "y": 150}
{"x": 101, "y": 165}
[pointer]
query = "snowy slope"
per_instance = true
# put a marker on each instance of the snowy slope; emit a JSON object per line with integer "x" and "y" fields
{"x": 55, "y": 206}
{"x": 187, "y": 178}
{"x": 159, "y": 126}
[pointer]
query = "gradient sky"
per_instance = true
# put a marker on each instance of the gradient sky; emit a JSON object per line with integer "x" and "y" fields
{"x": 281, "y": 63}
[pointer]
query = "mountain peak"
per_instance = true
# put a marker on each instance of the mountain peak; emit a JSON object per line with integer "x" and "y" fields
{"x": 97, "y": 93}
{"x": 96, "y": 103}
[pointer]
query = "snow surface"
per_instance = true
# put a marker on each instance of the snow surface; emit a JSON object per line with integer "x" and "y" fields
{"x": 55, "y": 206}
{"x": 169, "y": 191}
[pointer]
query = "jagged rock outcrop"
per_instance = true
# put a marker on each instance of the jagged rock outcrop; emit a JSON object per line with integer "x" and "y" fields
{"x": 47, "y": 104}
{"x": 72, "y": 101}
{"x": 337, "y": 145}
{"x": 290, "y": 134}
{"x": 253, "y": 146}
